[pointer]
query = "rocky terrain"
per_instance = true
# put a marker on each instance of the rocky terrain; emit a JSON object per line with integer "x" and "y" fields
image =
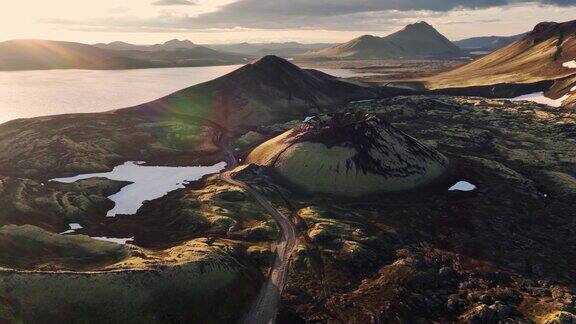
{"x": 499, "y": 253}
{"x": 503, "y": 252}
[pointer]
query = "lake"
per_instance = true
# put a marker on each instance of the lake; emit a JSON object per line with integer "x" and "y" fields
{"x": 147, "y": 183}
{"x": 25, "y": 94}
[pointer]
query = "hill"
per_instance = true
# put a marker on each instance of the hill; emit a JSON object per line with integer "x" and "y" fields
{"x": 487, "y": 43}
{"x": 349, "y": 155}
{"x": 45, "y": 54}
{"x": 31, "y": 247}
{"x": 540, "y": 61}
{"x": 268, "y": 90}
{"x": 119, "y": 283}
{"x": 418, "y": 40}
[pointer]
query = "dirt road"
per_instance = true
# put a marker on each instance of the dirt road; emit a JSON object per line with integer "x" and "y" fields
{"x": 265, "y": 307}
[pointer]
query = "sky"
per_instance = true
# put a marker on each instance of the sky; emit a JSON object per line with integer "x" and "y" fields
{"x": 233, "y": 21}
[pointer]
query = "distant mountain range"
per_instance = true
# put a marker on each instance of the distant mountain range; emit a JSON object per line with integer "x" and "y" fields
{"x": 174, "y": 52}
{"x": 418, "y": 40}
{"x": 181, "y": 57}
{"x": 487, "y": 43}
{"x": 261, "y": 49}
{"x": 167, "y": 46}
{"x": 46, "y": 54}
{"x": 415, "y": 41}
{"x": 246, "y": 49}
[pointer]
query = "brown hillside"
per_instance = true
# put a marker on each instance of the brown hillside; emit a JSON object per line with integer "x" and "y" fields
{"x": 539, "y": 56}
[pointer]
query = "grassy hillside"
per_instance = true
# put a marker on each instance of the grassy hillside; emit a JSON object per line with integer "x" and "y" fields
{"x": 29, "y": 247}
{"x": 349, "y": 156}
{"x": 47, "y": 147}
{"x": 182, "y": 284}
{"x": 53, "y": 206}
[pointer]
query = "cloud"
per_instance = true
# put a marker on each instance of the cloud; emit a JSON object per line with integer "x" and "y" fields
{"x": 173, "y": 3}
{"x": 341, "y": 7}
{"x": 339, "y": 14}
{"x": 336, "y": 15}
{"x": 174, "y": 22}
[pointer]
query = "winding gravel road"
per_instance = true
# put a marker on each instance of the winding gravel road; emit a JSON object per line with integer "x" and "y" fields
{"x": 265, "y": 307}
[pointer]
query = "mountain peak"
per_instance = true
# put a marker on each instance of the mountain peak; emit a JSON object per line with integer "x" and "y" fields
{"x": 419, "y": 27}
{"x": 272, "y": 63}
{"x": 420, "y": 24}
{"x": 545, "y": 30}
{"x": 176, "y": 43}
{"x": 118, "y": 43}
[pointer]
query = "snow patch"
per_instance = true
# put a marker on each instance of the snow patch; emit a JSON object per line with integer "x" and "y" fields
{"x": 463, "y": 186}
{"x": 148, "y": 183}
{"x": 73, "y": 228}
{"x": 122, "y": 241}
{"x": 570, "y": 64}
{"x": 362, "y": 101}
{"x": 540, "y": 98}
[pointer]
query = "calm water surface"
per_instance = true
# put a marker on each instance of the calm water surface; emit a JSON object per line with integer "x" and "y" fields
{"x": 148, "y": 183}
{"x": 26, "y": 94}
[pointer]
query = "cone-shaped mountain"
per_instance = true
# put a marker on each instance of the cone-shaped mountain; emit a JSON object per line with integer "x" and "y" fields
{"x": 349, "y": 155}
